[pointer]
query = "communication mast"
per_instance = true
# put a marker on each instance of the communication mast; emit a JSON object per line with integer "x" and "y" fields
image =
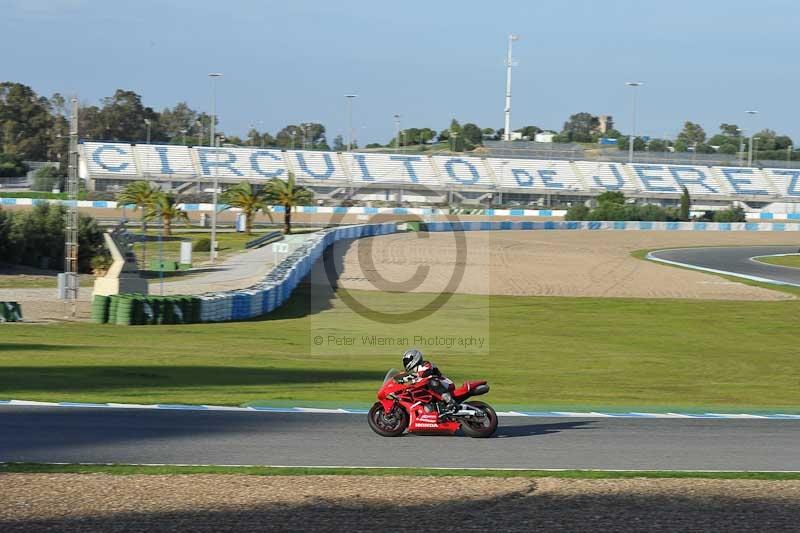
{"x": 71, "y": 225}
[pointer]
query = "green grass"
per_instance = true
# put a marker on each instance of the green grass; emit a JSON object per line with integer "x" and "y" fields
{"x": 782, "y": 260}
{"x": 127, "y": 470}
{"x": 542, "y": 352}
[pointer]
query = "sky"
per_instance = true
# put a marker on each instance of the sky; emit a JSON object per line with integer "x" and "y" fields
{"x": 293, "y": 61}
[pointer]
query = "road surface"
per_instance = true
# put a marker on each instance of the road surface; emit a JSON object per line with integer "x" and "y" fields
{"x": 737, "y": 261}
{"x": 58, "y": 434}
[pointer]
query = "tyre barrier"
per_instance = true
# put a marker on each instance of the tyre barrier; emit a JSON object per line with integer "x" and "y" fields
{"x": 10, "y": 312}
{"x": 241, "y": 304}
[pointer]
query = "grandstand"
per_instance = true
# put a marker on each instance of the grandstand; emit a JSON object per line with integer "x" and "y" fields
{"x": 424, "y": 179}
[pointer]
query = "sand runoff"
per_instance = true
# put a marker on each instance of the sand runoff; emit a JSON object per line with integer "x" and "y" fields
{"x": 102, "y": 502}
{"x": 545, "y": 263}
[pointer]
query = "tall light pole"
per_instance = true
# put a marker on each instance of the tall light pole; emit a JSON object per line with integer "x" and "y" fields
{"x": 147, "y": 123}
{"x": 349, "y": 98}
{"x": 632, "y": 136}
{"x": 509, "y": 64}
{"x": 740, "y": 155}
{"x": 215, "y": 143}
{"x": 752, "y": 114}
{"x": 397, "y": 134}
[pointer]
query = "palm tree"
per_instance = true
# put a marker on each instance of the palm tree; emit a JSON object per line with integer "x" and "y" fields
{"x": 140, "y": 194}
{"x": 165, "y": 207}
{"x": 247, "y": 199}
{"x": 288, "y": 194}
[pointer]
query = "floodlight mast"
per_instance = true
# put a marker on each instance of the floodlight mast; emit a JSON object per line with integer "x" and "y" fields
{"x": 632, "y": 137}
{"x": 215, "y": 144}
{"x": 752, "y": 113}
{"x": 509, "y": 64}
{"x": 349, "y": 98}
{"x": 71, "y": 227}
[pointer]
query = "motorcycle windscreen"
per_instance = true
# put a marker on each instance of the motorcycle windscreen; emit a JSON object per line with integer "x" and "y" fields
{"x": 390, "y": 374}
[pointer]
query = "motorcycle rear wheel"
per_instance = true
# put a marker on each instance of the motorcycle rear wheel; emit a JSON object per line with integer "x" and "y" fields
{"x": 391, "y": 424}
{"x": 483, "y": 428}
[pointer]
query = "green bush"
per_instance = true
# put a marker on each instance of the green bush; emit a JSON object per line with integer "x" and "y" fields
{"x": 12, "y": 166}
{"x": 46, "y": 178}
{"x": 202, "y": 245}
{"x": 36, "y": 237}
{"x": 734, "y": 214}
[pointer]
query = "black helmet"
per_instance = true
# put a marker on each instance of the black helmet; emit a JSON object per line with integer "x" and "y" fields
{"x": 411, "y": 359}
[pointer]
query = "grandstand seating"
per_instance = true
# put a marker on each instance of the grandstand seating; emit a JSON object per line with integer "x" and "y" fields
{"x": 536, "y": 174}
{"x": 120, "y": 161}
{"x": 397, "y": 169}
{"x": 155, "y": 160}
{"x": 464, "y": 171}
{"x": 110, "y": 159}
{"x": 786, "y": 181}
{"x": 606, "y": 176}
{"x": 316, "y": 166}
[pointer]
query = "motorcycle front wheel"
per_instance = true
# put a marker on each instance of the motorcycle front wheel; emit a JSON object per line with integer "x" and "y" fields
{"x": 391, "y": 424}
{"x": 483, "y": 427}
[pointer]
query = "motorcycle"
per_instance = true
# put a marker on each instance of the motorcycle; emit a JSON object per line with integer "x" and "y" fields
{"x": 412, "y": 404}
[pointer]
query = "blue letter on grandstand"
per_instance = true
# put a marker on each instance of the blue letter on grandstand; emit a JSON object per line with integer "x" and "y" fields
{"x": 698, "y": 180}
{"x": 162, "y": 155}
{"x": 620, "y": 180}
{"x": 476, "y": 177}
{"x": 547, "y": 176}
{"x": 319, "y": 175}
{"x": 794, "y": 183}
{"x": 362, "y": 165}
{"x": 257, "y": 168}
{"x": 106, "y": 148}
{"x": 730, "y": 175}
{"x": 408, "y": 161}
{"x": 647, "y": 179}
{"x": 205, "y": 164}
{"x": 523, "y": 177}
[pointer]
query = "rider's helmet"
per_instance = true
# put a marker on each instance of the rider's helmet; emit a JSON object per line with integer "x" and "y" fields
{"x": 412, "y": 359}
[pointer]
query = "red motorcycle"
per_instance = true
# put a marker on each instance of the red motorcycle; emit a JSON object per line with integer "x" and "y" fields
{"x": 414, "y": 405}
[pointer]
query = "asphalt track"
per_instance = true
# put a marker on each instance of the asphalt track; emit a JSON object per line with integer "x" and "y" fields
{"x": 70, "y": 435}
{"x": 736, "y": 261}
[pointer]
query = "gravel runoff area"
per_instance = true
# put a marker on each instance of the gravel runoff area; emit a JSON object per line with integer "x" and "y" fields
{"x": 547, "y": 263}
{"x": 102, "y": 502}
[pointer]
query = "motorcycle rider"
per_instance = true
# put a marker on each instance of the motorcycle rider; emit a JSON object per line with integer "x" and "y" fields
{"x": 417, "y": 368}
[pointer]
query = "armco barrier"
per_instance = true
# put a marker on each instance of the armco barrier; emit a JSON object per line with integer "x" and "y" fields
{"x": 605, "y": 225}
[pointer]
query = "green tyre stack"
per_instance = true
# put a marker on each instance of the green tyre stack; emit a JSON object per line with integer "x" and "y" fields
{"x": 100, "y": 306}
{"x": 125, "y": 311}
{"x": 138, "y": 317}
{"x": 195, "y": 303}
{"x": 113, "y": 305}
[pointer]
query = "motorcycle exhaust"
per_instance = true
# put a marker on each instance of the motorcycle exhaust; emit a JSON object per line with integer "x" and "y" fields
{"x": 467, "y": 411}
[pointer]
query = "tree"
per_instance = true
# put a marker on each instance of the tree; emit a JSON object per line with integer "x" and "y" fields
{"x": 686, "y": 205}
{"x": 173, "y": 120}
{"x": 249, "y": 200}
{"x": 12, "y": 166}
{"x": 729, "y": 130}
{"x": 165, "y": 207}
{"x": 692, "y": 133}
{"x": 25, "y": 122}
{"x": 141, "y": 195}
{"x": 122, "y": 118}
{"x": 728, "y": 149}
{"x": 338, "y": 144}
{"x": 657, "y": 145}
{"x": 529, "y": 132}
{"x": 472, "y": 135}
{"x": 288, "y": 194}
{"x": 580, "y": 127}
